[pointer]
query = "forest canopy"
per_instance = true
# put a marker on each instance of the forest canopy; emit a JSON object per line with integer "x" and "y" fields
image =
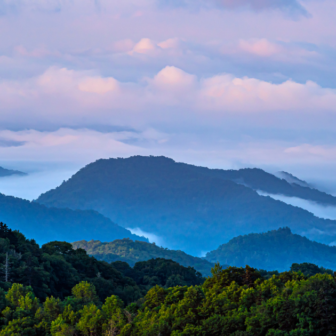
{"x": 233, "y": 301}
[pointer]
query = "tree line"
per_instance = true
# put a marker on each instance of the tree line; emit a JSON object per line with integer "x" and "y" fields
{"x": 233, "y": 301}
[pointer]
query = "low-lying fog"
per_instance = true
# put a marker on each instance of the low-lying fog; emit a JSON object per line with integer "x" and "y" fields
{"x": 34, "y": 184}
{"x": 326, "y": 212}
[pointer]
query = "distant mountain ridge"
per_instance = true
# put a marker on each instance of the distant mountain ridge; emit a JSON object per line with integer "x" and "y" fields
{"x": 194, "y": 209}
{"x": 46, "y": 224}
{"x": 135, "y": 251}
{"x": 8, "y": 172}
{"x": 273, "y": 250}
{"x": 258, "y": 179}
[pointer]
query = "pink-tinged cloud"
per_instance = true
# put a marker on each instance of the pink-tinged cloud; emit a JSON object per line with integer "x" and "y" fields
{"x": 60, "y": 95}
{"x": 110, "y": 39}
{"x": 145, "y": 46}
{"x": 260, "y": 47}
{"x": 171, "y": 43}
{"x": 253, "y": 95}
{"x": 320, "y": 152}
{"x": 98, "y": 85}
{"x": 172, "y": 78}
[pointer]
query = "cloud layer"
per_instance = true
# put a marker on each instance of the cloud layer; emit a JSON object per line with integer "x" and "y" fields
{"x": 326, "y": 212}
{"x": 221, "y": 83}
{"x": 62, "y": 97}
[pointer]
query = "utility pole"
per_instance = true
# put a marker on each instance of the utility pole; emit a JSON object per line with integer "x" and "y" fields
{"x": 7, "y": 268}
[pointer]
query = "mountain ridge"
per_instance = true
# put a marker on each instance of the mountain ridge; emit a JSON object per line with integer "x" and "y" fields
{"x": 194, "y": 208}
{"x": 46, "y": 224}
{"x": 258, "y": 179}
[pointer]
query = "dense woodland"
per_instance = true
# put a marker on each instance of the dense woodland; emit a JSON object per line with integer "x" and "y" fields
{"x": 60, "y": 291}
{"x": 233, "y": 301}
{"x": 192, "y": 208}
{"x": 134, "y": 251}
{"x": 273, "y": 250}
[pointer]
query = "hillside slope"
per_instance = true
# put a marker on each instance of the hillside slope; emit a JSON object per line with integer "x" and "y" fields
{"x": 45, "y": 224}
{"x": 191, "y": 208}
{"x": 273, "y": 250}
{"x": 134, "y": 251}
{"x": 258, "y": 179}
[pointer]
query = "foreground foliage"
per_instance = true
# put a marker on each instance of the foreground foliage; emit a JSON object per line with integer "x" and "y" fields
{"x": 233, "y": 301}
{"x": 58, "y": 291}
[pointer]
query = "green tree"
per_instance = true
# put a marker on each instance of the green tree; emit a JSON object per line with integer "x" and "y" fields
{"x": 85, "y": 292}
{"x": 91, "y": 321}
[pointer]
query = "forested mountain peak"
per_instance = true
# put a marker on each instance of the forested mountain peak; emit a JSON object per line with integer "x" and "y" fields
{"x": 276, "y": 249}
{"x": 156, "y": 168}
{"x": 190, "y": 208}
{"x": 133, "y": 251}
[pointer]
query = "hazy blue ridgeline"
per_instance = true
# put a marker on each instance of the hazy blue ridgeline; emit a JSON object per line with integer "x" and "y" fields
{"x": 194, "y": 209}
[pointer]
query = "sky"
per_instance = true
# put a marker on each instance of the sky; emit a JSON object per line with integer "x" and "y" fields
{"x": 218, "y": 83}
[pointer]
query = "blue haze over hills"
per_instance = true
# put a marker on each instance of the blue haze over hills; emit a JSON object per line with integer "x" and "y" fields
{"x": 45, "y": 224}
{"x": 195, "y": 209}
